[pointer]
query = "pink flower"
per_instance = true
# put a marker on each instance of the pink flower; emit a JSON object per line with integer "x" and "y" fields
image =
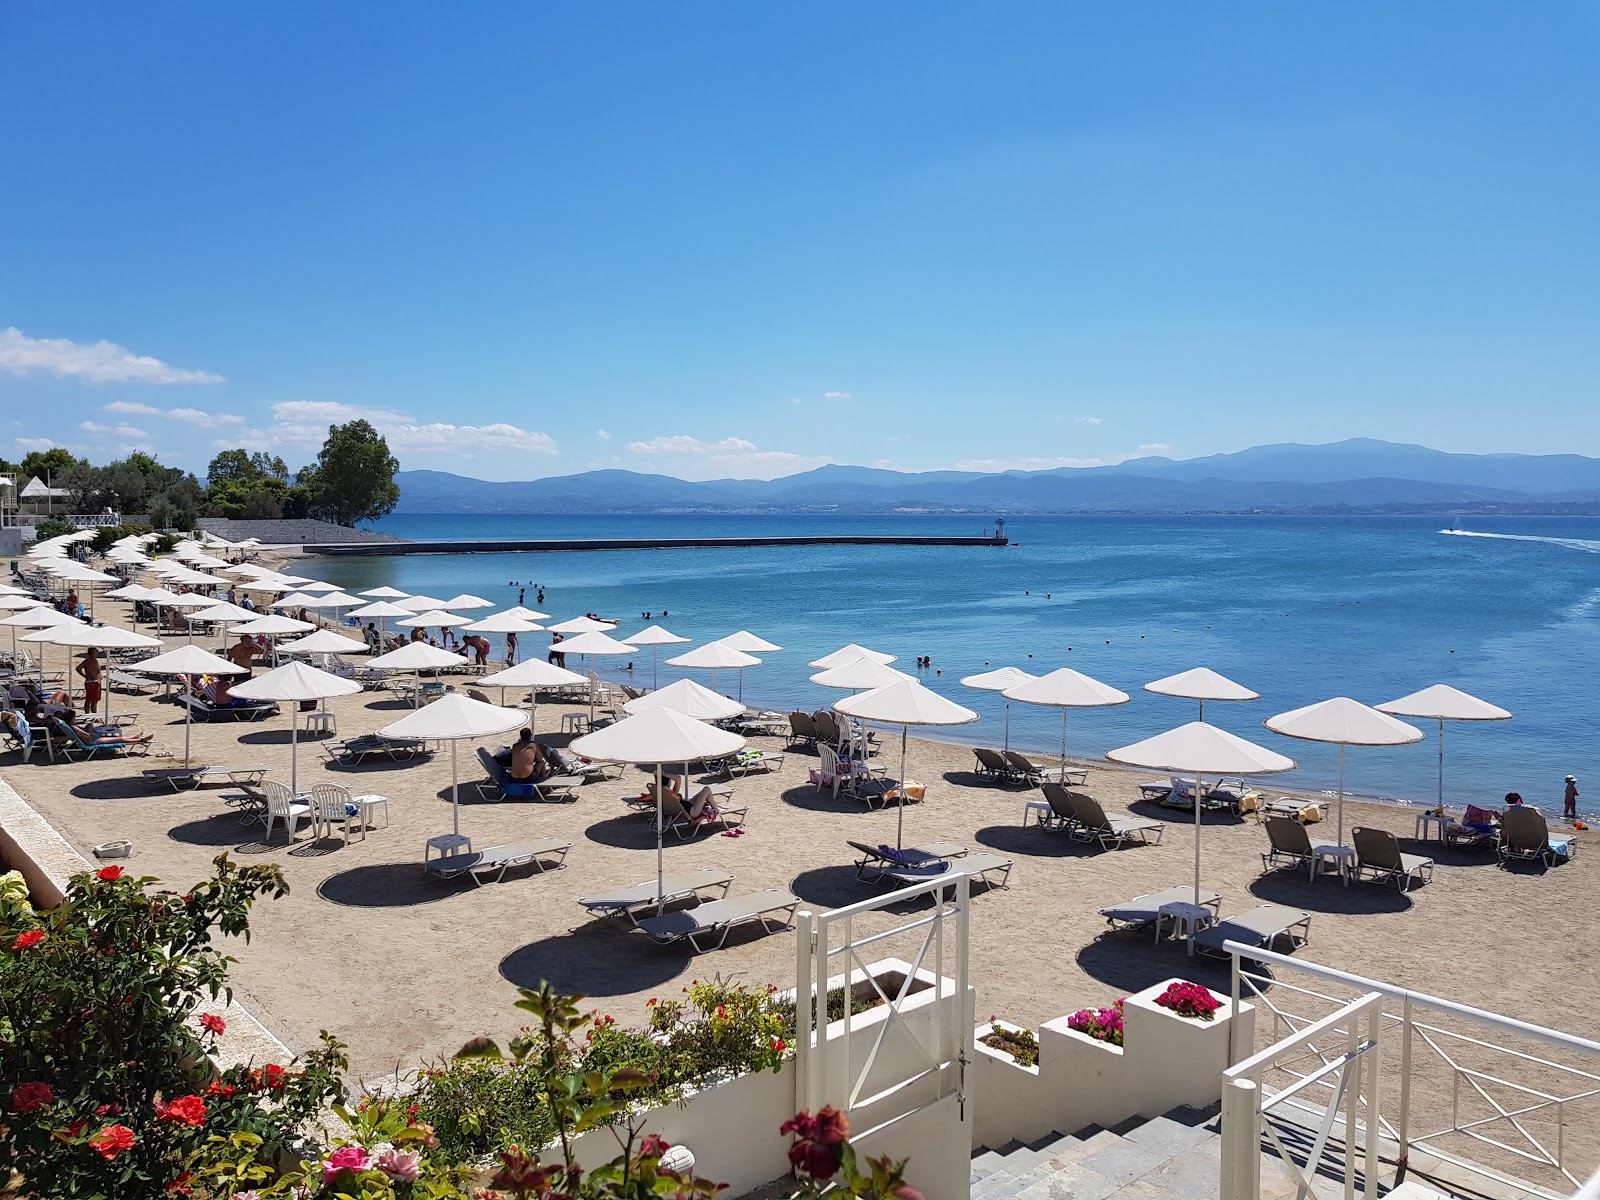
{"x": 354, "y": 1158}
{"x": 401, "y": 1166}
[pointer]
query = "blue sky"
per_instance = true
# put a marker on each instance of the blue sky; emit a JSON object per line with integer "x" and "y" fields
{"x": 736, "y": 239}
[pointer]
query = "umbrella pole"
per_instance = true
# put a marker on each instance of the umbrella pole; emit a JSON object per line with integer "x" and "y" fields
{"x": 1197, "y": 834}
{"x": 1008, "y": 725}
{"x": 655, "y": 667}
{"x": 188, "y": 723}
{"x": 1441, "y": 764}
{"x": 661, "y": 874}
{"x": 455, "y": 791}
{"x": 900, "y": 809}
{"x": 1063, "y": 746}
{"x": 294, "y": 748}
{"x": 1341, "y": 793}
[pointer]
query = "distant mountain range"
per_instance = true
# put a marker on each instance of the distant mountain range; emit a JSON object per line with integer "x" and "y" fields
{"x": 1356, "y": 475}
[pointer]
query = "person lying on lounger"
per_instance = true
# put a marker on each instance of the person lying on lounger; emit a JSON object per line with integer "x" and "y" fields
{"x": 91, "y": 735}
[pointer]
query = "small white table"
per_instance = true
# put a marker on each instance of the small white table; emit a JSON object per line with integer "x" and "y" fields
{"x": 1185, "y": 919}
{"x": 445, "y": 845}
{"x": 1045, "y": 813}
{"x": 1426, "y": 821}
{"x": 323, "y": 721}
{"x": 370, "y": 804}
{"x": 574, "y": 722}
{"x": 1342, "y": 859}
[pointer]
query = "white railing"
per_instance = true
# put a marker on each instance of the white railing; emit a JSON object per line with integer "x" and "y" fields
{"x": 930, "y": 1042}
{"x": 1503, "y": 1092}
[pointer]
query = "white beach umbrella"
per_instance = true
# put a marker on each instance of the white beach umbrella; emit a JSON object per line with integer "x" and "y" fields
{"x": 295, "y": 600}
{"x": 533, "y": 674}
{"x": 272, "y": 625}
{"x": 434, "y": 616}
{"x": 17, "y": 603}
{"x": 1442, "y": 703}
{"x": 660, "y": 735}
{"x": 100, "y": 637}
{"x": 7, "y": 589}
{"x": 1204, "y": 750}
{"x": 467, "y": 600}
{"x": 37, "y": 617}
{"x": 863, "y": 674}
{"x": 1065, "y": 688}
{"x": 382, "y": 610}
{"x": 456, "y": 718}
{"x": 582, "y": 625}
{"x": 1202, "y": 684}
{"x": 220, "y": 613}
{"x": 848, "y": 654}
{"x": 689, "y": 698}
{"x": 502, "y": 623}
{"x": 905, "y": 704}
{"x": 320, "y": 585}
{"x": 1343, "y": 722}
{"x": 418, "y": 604}
{"x": 268, "y": 586}
{"x": 417, "y": 657}
{"x": 751, "y": 644}
{"x": 129, "y": 591}
{"x": 714, "y": 657}
{"x": 384, "y": 593}
{"x": 999, "y": 680}
{"x": 324, "y": 641}
{"x": 187, "y": 660}
{"x": 334, "y": 599}
{"x": 527, "y": 614}
{"x": 290, "y": 684}
{"x": 591, "y": 644}
{"x": 655, "y": 637}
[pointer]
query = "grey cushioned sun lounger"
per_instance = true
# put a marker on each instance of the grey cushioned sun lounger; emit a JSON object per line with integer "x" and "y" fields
{"x": 993, "y": 767}
{"x": 1143, "y": 910}
{"x": 1260, "y": 927}
{"x": 1025, "y": 768}
{"x": 1378, "y": 857}
{"x": 978, "y": 866}
{"x": 1525, "y": 836}
{"x": 195, "y": 777}
{"x": 876, "y": 861}
{"x": 1109, "y": 829}
{"x": 497, "y": 860}
{"x": 717, "y": 918}
{"x": 622, "y": 902}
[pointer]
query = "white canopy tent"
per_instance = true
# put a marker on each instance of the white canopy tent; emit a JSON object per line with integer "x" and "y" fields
{"x": 1204, "y": 750}
{"x": 290, "y": 684}
{"x": 1442, "y": 703}
{"x": 1065, "y": 688}
{"x": 905, "y": 704}
{"x": 658, "y": 735}
{"x": 999, "y": 680}
{"x": 1343, "y": 722}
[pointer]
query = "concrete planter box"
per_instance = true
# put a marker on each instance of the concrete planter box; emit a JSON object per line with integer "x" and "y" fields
{"x": 1165, "y": 1061}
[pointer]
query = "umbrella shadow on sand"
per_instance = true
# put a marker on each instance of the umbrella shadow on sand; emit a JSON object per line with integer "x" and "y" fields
{"x": 602, "y": 958}
{"x": 831, "y": 887}
{"x": 126, "y": 787}
{"x": 634, "y": 831}
{"x": 275, "y": 737}
{"x": 1293, "y": 890}
{"x": 1130, "y": 962}
{"x": 814, "y": 799}
{"x": 1035, "y": 842}
{"x": 219, "y": 829}
{"x": 1183, "y": 816}
{"x": 387, "y": 885}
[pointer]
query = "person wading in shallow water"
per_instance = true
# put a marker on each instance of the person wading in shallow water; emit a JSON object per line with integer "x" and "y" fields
{"x": 1569, "y": 802}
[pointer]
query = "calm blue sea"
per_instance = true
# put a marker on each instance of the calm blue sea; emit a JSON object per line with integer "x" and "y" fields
{"x": 1298, "y": 608}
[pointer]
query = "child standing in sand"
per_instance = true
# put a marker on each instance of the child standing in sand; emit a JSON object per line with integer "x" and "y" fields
{"x": 1569, "y": 802}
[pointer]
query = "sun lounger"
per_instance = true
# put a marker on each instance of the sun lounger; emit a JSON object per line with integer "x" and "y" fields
{"x": 497, "y": 860}
{"x": 1288, "y": 842}
{"x": 1144, "y": 910}
{"x": 1475, "y": 827}
{"x": 1525, "y": 836}
{"x": 676, "y": 819}
{"x": 875, "y": 861}
{"x": 235, "y": 710}
{"x": 583, "y": 768}
{"x": 198, "y": 777}
{"x": 1025, "y": 768}
{"x": 500, "y": 785}
{"x": 105, "y": 742}
{"x": 640, "y": 897}
{"x": 124, "y": 681}
{"x": 1259, "y": 928}
{"x": 746, "y": 761}
{"x": 373, "y": 745}
{"x": 1378, "y": 858}
{"x": 976, "y": 866}
{"x": 1306, "y": 812}
{"x": 1094, "y": 824}
{"x": 1155, "y": 792}
{"x": 717, "y": 918}
{"x": 992, "y": 766}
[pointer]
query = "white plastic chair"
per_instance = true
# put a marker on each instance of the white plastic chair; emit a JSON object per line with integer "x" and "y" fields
{"x": 332, "y": 803}
{"x": 282, "y": 806}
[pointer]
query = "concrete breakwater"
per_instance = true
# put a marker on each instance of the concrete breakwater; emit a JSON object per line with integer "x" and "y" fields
{"x": 541, "y": 545}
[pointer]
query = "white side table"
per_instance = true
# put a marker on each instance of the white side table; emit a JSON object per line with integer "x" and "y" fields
{"x": 574, "y": 722}
{"x": 445, "y": 845}
{"x": 369, "y": 805}
{"x": 1185, "y": 919}
{"x": 1426, "y": 823}
{"x": 1329, "y": 860}
{"x": 1045, "y": 813}
{"x": 323, "y": 721}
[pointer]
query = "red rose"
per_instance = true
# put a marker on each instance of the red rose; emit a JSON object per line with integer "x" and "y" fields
{"x": 653, "y": 1146}
{"x": 189, "y": 1110}
{"x": 109, "y": 874}
{"x": 832, "y": 1126}
{"x": 272, "y": 1077}
{"x": 217, "y": 1088}
{"x": 179, "y": 1186}
{"x": 214, "y": 1023}
{"x": 814, "y": 1159}
{"x": 32, "y": 938}
{"x": 112, "y": 1141}
{"x": 802, "y": 1123}
{"x": 31, "y": 1097}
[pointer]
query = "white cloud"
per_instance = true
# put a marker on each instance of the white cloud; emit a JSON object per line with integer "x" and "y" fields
{"x": 132, "y": 408}
{"x": 1088, "y": 420}
{"x": 193, "y": 416}
{"x": 28, "y": 445}
{"x": 305, "y": 423}
{"x": 1154, "y": 448}
{"x": 836, "y": 395}
{"x": 1024, "y": 464}
{"x": 692, "y": 458}
{"x": 886, "y": 464}
{"x": 99, "y": 362}
{"x": 94, "y": 427}
{"x": 602, "y": 435}
{"x": 131, "y": 432}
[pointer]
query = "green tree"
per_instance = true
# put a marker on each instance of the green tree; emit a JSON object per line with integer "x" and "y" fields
{"x": 47, "y": 463}
{"x": 241, "y": 466}
{"x": 353, "y": 479}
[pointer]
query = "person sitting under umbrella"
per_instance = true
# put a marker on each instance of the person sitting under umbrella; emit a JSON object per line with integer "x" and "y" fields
{"x": 699, "y": 809}
{"x": 527, "y": 761}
